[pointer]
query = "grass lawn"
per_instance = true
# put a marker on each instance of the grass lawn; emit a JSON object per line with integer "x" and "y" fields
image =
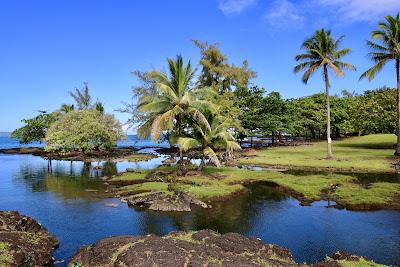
{"x": 371, "y": 153}
{"x": 221, "y": 183}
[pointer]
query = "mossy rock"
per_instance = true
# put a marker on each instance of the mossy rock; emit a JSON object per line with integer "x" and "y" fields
{"x": 24, "y": 242}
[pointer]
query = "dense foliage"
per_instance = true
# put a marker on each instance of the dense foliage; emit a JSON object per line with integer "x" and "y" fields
{"x": 35, "y": 128}
{"x": 83, "y": 130}
{"x": 68, "y": 129}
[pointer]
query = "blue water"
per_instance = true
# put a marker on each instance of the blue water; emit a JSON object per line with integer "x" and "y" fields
{"x": 77, "y": 216}
{"x": 133, "y": 140}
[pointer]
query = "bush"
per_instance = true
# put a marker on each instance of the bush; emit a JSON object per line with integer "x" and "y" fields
{"x": 85, "y": 131}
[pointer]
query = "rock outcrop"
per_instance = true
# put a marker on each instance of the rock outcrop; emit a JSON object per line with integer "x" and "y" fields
{"x": 164, "y": 202}
{"x": 24, "y": 242}
{"x": 203, "y": 248}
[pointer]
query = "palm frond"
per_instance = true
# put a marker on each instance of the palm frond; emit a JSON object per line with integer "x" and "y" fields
{"x": 212, "y": 156}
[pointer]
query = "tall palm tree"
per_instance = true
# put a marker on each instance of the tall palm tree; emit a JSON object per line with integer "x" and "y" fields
{"x": 82, "y": 97}
{"x": 387, "y": 49}
{"x": 209, "y": 140}
{"x": 322, "y": 52}
{"x": 173, "y": 103}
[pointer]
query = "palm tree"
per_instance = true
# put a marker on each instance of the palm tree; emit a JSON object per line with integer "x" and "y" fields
{"x": 209, "y": 140}
{"x": 82, "y": 97}
{"x": 386, "y": 50}
{"x": 322, "y": 52}
{"x": 99, "y": 106}
{"x": 173, "y": 103}
{"x": 65, "y": 108}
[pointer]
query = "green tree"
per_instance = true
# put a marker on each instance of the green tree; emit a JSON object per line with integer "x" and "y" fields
{"x": 172, "y": 104}
{"x": 84, "y": 131}
{"x": 35, "y": 128}
{"x": 322, "y": 51}
{"x": 386, "y": 50}
{"x": 250, "y": 102}
{"x": 209, "y": 140}
{"x": 225, "y": 78}
{"x": 273, "y": 115}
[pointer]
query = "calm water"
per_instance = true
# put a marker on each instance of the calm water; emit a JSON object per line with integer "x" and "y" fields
{"x": 77, "y": 216}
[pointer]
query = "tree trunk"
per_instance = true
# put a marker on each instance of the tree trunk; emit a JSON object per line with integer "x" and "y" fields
{"x": 328, "y": 113}
{"x": 398, "y": 107}
{"x": 202, "y": 164}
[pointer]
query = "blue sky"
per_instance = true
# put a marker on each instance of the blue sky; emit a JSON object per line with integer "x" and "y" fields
{"x": 48, "y": 48}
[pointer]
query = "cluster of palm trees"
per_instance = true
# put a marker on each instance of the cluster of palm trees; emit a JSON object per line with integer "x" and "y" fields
{"x": 83, "y": 101}
{"x": 178, "y": 110}
{"x": 322, "y": 52}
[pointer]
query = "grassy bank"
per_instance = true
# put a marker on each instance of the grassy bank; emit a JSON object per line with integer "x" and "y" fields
{"x": 222, "y": 183}
{"x": 371, "y": 153}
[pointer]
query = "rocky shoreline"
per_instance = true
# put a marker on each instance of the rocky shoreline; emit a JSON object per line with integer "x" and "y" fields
{"x": 24, "y": 242}
{"x": 202, "y": 248}
{"x": 114, "y": 154}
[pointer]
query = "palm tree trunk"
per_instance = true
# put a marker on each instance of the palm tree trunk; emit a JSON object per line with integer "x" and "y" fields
{"x": 398, "y": 106}
{"x": 202, "y": 163}
{"x": 328, "y": 113}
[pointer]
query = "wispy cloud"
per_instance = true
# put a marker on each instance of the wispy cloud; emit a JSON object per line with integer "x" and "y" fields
{"x": 233, "y": 7}
{"x": 361, "y": 10}
{"x": 283, "y": 14}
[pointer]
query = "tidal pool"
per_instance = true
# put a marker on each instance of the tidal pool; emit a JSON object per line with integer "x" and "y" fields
{"x": 70, "y": 202}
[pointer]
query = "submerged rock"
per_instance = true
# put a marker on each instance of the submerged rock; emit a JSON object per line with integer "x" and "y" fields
{"x": 24, "y": 242}
{"x": 165, "y": 202}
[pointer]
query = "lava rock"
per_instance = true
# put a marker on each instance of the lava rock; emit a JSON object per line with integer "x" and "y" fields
{"x": 24, "y": 242}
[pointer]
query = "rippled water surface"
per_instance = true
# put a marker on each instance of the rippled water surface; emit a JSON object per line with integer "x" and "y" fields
{"x": 69, "y": 202}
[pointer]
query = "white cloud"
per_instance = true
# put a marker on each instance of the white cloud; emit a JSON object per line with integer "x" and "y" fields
{"x": 283, "y": 14}
{"x": 232, "y": 7}
{"x": 361, "y": 10}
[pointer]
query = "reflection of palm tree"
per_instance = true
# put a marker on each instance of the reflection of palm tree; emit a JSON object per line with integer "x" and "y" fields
{"x": 86, "y": 169}
{"x": 109, "y": 168}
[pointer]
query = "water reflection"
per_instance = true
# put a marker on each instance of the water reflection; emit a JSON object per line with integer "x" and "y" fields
{"x": 67, "y": 203}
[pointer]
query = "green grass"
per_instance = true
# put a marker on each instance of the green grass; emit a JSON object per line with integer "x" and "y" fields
{"x": 362, "y": 262}
{"x": 219, "y": 183}
{"x": 136, "y": 157}
{"x": 131, "y": 175}
{"x": 371, "y": 153}
{"x": 376, "y": 193}
{"x": 148, "y": 186}
{"x": 6, "y": 258}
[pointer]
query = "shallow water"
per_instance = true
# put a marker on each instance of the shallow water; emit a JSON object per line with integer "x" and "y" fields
{"x": 65, "y": 201}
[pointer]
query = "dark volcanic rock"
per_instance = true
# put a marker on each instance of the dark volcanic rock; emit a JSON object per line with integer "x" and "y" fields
{"x": 24, "y": 242}
{"x": 165, "y": 202}
{"x": 204, "y": 248}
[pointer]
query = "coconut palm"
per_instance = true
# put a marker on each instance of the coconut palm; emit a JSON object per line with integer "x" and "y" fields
{"x": 65, "y": 108}
{"x": 173, "y": 104}
{"x": 99, "y": 106}
{"x": 387, "y": 49}
{"x": 322, "y": 52}
{"x": 208, "y": 140}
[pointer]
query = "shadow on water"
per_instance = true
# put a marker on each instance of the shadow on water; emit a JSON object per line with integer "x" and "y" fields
{"x": 68, "y": 202}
